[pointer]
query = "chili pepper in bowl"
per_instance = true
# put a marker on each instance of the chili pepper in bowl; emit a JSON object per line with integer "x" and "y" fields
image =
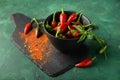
{"x": 61, "y": 28}
{"x": 74, "y": 32}
{"x": 72, "y": 17}
{"x": 54, "y": 23}
{"x": 69, "y": 34}
{"x": 63, "y": 17}
{"x": 78, "y": 20}
{"x": 86, "y": 62}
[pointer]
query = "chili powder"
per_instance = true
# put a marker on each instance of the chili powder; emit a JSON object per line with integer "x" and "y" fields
{"x": 36, "y": 46}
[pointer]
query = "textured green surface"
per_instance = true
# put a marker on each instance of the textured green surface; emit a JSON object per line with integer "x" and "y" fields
{"x": 105, "y": 13}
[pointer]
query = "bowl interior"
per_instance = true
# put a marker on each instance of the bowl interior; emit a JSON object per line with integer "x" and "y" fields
{"x": 83, "y": 20}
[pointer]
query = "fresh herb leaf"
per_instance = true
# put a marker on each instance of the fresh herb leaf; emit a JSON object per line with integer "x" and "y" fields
{"x": 82, "y": 37}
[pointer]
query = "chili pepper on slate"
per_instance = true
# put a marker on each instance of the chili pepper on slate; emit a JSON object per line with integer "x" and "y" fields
{"x": 28, "y": 26}
{"x": 63, "y": 17}
{"x": 86, "y": 62}
{"x": 37, "y": 30}
{"x": 72, "y": 17}
{"x": 54, "y": 23}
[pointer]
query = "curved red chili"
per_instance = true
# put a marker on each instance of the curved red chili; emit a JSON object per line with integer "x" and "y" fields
{"x": 86, "y": 62}
{"x": 27, "y": 28}
{"x": 72, "y": 17}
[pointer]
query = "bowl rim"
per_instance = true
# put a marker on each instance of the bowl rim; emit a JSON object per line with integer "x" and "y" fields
{"x": 83, "y": 16}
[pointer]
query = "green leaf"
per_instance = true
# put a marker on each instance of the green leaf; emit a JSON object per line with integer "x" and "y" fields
{"x": 80, "y": 29}
{"x": 82, "y": 37}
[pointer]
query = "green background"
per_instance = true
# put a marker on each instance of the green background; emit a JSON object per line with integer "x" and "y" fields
{"x": 14, "y": 65}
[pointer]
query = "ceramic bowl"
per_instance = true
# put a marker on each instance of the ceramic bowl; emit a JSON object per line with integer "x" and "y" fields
{"x": 64, "y": 45}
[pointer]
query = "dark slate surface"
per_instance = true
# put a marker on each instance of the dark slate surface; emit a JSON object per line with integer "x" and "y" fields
{"x": 57, "y": 62}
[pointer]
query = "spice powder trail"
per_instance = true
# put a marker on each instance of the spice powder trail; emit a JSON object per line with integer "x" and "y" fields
{"x": 36, "y": 46}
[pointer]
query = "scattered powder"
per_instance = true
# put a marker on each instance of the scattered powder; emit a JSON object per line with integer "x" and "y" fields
{"x": 37, "y": 47}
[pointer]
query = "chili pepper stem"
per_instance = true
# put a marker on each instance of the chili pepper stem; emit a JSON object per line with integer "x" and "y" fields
{"x": 58, "y": 31}
{"x": 79, "y": 17}
{"x": 62, "y": 11}
{"x": 35, "y": 21}
{"x": 54, "y": 17}
{"x": 88, "y": 25}
{"x": 32, "y": 20}
{"x": 69, "y": 28}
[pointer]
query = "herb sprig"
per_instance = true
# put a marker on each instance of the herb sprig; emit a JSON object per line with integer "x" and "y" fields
{"x": 92, "y": 36}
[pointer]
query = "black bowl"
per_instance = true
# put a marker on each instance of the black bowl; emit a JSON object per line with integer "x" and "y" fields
{"x": 64, "y": 45}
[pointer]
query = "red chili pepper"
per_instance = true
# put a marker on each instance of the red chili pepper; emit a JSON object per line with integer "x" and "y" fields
{"x": 69, "y": 33}
{"x": 86, "y": 62}
{"x": 72, "y": 17}
{"x": 61, "y": 28}
{"x": 63, "y": 17}
{"x": 78, "y": 20}
{"x": 54, "y": 23}
{"x": 72, "y": 26}
{"x": 74, "y": 32}
{"x": 27, "y": 28}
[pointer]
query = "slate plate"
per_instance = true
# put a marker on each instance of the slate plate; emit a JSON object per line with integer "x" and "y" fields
{"x": 53, "y": 62}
